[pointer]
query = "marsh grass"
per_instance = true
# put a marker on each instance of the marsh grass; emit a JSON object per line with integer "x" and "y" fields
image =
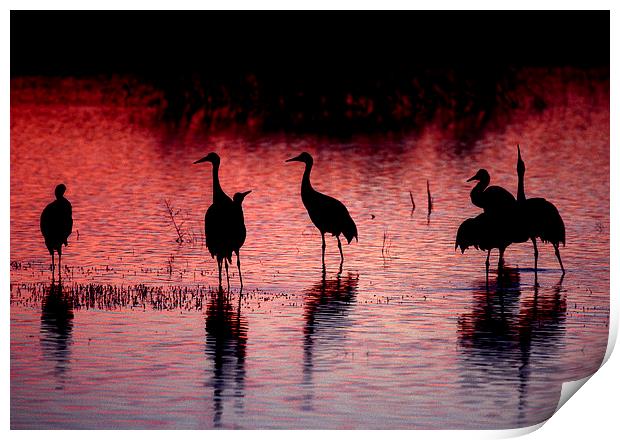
{"x": 179, "y": 219}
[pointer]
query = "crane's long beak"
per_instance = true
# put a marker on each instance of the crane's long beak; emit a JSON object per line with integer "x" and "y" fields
{"x": 519, "y": 151}
{"x": 204, "y": 159}
{"x": 472, "y": 178}
{"x": 243, "y": 194}
{"x": 294, "y": 159}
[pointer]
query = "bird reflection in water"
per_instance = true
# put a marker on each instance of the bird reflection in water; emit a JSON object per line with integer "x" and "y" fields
{"x": 226, "y": 341}
{"x": 326, "y": 307}
{"x": 56, "y": 330}
{"x": 542, "y": 324}
{"x": 509, "y": 334}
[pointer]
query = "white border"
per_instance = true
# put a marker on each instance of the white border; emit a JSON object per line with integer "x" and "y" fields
{"x": 593, "y": 414}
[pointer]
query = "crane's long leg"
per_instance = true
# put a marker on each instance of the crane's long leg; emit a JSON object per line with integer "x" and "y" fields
{"x": 557, "y": 254}
{"x": 487, "y": 265}
{"x": 323, "y": 250}
{"x": 239, "y": 269}
{"x": 500, "y": 263}
{"x": 500, "y": 266}
{"x": 340, "y": 249}
{"x": 59, "y": 264}
{"x": 227, "y": 277}
{"x": 219, "y": 270}
{"x": 53, "y": 267}
{"x": 535, "y": 254}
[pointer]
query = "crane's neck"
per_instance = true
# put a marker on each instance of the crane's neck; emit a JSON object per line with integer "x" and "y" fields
{"x": 521, "y": 188}
{"x": 305, "y": 180}
{"x": 478, "y": 190}
{"x": 218, "y": 192}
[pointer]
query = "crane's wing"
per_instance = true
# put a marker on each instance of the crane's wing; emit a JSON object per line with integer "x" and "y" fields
{"x": 545, "y": 221}
{"x": 209, "y": 224}
{"x": 499, "y": 197}
{"x": 67, "y": 222}
{"x": 218, "y": 231}
{"x": 330, "y": 215}
{"x": 46, "y": 221}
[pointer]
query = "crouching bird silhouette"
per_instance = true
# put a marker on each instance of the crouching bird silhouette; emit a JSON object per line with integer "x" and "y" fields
{"x": 57, "y": 225}
{"x": 328, "y": 214}
{"x": 224, "y": 224}
{"x": 486, "y": 233}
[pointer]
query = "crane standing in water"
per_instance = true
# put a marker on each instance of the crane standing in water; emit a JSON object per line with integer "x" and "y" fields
{"x": 224, "y": 225}
{"x": 506, "y": 220}
{"x": 328, "y": 214}
{"x": 538, "y": 218}
{"x": 494, "y": 228}
{"x": 485, "y": 233}
{"x": 240, "y": 227}
{"x": 56, "y": 225}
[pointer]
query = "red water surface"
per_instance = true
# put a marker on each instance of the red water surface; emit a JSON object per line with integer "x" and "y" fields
{"x": 407, "y": 336}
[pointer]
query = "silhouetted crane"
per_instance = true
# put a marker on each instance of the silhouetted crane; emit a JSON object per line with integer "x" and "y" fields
{"x": 224, "y": 226}
{"x": 493, "y": 199}
{"x": 238, "y": 201}
{"x": 494, "y": 228}
{"x": 484, "y": 232}
{"x": 328, "y": 214}
{"x": 57, "y": 225}
{"x": 538, "y": 218}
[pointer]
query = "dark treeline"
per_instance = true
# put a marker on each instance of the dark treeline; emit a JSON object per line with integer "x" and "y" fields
{"x": 338, "y": 72}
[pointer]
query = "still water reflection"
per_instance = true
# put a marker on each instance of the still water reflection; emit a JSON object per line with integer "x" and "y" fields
{"x": 510, "y": 332}
{"x": 326, "y": 306}
{"x": 56, "y": 329}
{"x": 226, "y": 340}
{"x": 407, "y": 336}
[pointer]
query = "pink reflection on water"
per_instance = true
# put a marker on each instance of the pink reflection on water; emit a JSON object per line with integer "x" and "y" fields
{"x": 145, "y": 343}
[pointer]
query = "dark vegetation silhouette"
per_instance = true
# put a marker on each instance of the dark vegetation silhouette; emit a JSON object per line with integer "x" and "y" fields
{"x": 57, "y": 329}
{"x": 326, "y": 306}
{"x": 326, "y": 213}
{"x": 224, "y": 224}
{"x": 373, "y": 85}
{"x": 56, "y": 225}
{"x": 508, "y": 334}
{"x": 178, "y": 219}
{"x": 226, "y": 338}
{"x": 115, "y": 297}
{"x": 538, "y": 219}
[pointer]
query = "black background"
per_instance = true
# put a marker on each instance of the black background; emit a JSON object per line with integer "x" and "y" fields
{"x": 300, "y": 43}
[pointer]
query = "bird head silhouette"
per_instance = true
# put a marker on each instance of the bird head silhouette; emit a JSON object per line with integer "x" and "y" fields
{"x": 303, "y": 157}
{"x": 211, "y": 157}
{"x": 60, "y": 191}
{"x": 482, "y": 175}
{"x": 238, "y": 197}
{"x": 520, "y": 163}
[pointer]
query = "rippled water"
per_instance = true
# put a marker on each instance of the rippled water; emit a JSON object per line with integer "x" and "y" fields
{"x": 407, "y": 336}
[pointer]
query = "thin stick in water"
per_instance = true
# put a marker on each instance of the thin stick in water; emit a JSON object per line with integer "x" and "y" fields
{"x": 430, "y": 199}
